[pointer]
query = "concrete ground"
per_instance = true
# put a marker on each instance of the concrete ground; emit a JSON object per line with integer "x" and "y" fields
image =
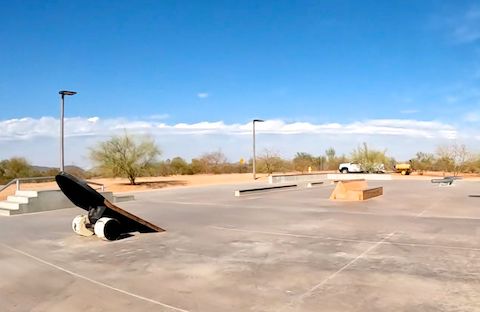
{"x": 416, "y": 248}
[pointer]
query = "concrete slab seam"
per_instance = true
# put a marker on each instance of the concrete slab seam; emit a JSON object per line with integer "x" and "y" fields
{"x": 430, "y": 206}
{"x": 94, "y": 281}
{"x": 294, "y": 235}
{"x": 343, "y": 268}
{"x": 311, "y": 290}
{"x": 419, "y": 215}
{"x": 347, "y": 239}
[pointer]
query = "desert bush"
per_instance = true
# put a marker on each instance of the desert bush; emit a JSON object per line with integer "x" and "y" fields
{"x": 179, "y": 166}
{"x": 16, "y": 167}
{"x": 302, "y": 161}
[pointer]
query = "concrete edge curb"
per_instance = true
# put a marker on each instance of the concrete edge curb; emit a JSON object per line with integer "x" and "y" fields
{"x": 312, "y": 184}
{"x": 263, "y": 189}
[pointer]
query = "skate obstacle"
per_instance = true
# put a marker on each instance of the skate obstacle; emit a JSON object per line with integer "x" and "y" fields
{"x": 446, "y": 181}
{"x": 354, "y": 190}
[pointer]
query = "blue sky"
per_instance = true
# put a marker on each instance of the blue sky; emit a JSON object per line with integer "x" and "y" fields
{"x": 173, "y": 62}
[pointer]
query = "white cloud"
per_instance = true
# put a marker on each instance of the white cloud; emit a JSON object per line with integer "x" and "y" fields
{"x": 93, "y": 119}
{"x": 409, "y": 111}
{"x": 202, "y": 95}
{"x": 159, "y": 116}
{"x": 472, "y": 117}
{"x": 452, "y": 99}
{"x": 468, "y": 30}
{"x": 37, "y": 138}
{"x": 463, "y": 27}
{"x": 25, "y": 128}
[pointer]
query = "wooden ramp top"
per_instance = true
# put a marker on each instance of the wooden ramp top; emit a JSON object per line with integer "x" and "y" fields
{"x": 354, "y": 190}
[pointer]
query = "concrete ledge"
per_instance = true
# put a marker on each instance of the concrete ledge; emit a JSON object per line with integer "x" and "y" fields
{"x": 447, "y": 181}
{"x": 263, "y": 189}
{"x": 442, "y": 180}
{"x": 312, "y": 184}
{"x": 37, "y": 201}
{"x": 356, "y": 176}
{"x": 122, "y": 198}
{"x": 53, "y": 200}
{"x": 286, "y": 178}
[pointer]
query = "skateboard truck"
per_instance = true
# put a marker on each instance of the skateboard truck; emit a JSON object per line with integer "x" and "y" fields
{"x": 95, "y": 213}
{"x": 103, "y": 218}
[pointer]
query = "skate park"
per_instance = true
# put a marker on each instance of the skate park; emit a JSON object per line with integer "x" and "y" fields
{"x": 413, "y": 248}
{"x": 243, "y": 156}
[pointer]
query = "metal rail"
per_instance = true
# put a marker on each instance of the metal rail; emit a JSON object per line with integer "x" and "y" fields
{"x": 19, "y": 180}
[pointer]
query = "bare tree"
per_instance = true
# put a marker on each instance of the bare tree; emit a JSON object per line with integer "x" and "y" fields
{"x": 423, "y": 161}
{"x": 211, "y": 162}
{"x": 125, "y": 156}
{"x": 453, "y": 158}
{"x": 270, "y": 162}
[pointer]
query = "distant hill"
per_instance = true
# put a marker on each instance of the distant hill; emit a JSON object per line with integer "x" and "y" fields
{"x": 72, "y": 169}
{"x": 43, "y": 169}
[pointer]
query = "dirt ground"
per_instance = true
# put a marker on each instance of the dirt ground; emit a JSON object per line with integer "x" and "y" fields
{"x": 118, "y": 185}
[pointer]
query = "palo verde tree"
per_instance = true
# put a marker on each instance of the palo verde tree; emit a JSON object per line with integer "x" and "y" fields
{"x": 369, "y": 159}
{"x": 125, "y": 156}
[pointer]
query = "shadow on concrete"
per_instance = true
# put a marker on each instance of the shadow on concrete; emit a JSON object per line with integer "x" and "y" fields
{"x": 161, "y": 184}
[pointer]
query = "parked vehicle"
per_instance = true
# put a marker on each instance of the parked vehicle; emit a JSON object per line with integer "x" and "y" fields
{"x": 379, "y": 168}
{"x": 404, "y": 169}
{"x": 357, "y": 168}
{"x": 350, "y": 168}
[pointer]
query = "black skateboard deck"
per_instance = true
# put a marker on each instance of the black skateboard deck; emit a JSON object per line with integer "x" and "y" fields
{"x": 97, "y": 206}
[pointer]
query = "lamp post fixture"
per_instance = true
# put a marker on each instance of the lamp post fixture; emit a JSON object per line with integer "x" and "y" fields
{"x": 254, "y": 165}
{"x": 62, "y": 104}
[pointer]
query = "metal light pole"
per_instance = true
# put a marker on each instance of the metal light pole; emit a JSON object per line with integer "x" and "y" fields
{"x": 254, "y": 167}
{"x": 62, "y": 104}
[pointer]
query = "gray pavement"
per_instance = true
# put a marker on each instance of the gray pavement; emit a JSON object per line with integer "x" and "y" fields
{"x": 416, "y": 248}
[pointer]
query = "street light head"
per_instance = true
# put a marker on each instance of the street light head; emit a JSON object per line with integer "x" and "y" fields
{"x": 258, "y": 120}
{"x": 65, "y": 92}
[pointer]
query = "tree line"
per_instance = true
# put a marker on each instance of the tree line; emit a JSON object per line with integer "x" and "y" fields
{"x": 135, "y": 156}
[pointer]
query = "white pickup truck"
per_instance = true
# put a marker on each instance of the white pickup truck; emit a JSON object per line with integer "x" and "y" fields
{"x": 350, "y": 168}
{"x": 357, "y": 168}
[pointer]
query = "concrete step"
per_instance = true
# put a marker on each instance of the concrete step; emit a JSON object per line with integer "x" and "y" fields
{"x": 18, "y": 199}
{"x": 5, "y": 212}
{"x": 26, "y": 193}
{"x": 9, "y": 205}
{"x": 8, "y": 208}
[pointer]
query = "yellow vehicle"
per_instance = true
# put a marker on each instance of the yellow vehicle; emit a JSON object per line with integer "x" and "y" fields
{"x": 404, "y": 169}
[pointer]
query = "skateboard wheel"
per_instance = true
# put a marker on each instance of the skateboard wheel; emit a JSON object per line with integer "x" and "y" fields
{"x": 107, "y": 229}
{"x": 79, "y": 226}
